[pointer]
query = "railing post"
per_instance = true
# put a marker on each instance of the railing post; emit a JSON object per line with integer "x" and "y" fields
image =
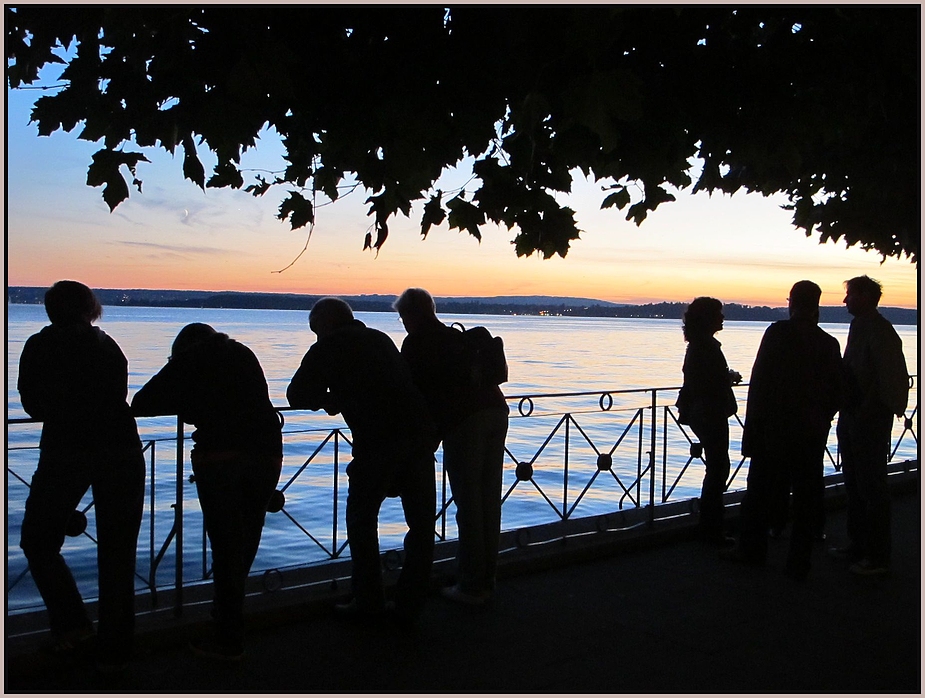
{"x": 152, "y": 581}
{"x": 178, "y": 518}
{"x": 565, "y": 512}
{"x": 335, "y": 487}
{"x": 652, "y": 446}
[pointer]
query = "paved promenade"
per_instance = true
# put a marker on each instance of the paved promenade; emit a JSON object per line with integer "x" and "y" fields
{"x": 668, "y": 618}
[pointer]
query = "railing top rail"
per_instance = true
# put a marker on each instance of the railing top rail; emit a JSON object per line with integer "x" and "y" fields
{"x": 533, "y": 396}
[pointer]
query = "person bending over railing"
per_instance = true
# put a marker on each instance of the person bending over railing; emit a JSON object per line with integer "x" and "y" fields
{"x": 217, "y": 384}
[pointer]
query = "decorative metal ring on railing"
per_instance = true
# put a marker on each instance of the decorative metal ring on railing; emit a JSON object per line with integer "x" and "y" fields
{"x": 272, "y": 580}
{"x": 520, "y": 406}
{"x": 76, "y": 524}
{"x": 277, "y": 502}
{"x": 391, "y": 560}
{"x": 609, "y": 402}
{"x": 604, "y": 461}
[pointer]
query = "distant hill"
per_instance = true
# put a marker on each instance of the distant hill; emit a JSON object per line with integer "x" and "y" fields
{"x": 490, "y": 305}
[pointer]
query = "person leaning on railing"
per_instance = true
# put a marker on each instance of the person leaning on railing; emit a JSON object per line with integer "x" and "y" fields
{"x": 74, "y": 378}
{"x": 357, "y": 370}
{"x": 218, "y": 385}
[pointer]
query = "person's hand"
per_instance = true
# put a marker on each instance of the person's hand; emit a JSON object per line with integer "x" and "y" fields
{"x": 331, "y": 408}
{"x": 735, "y": 377}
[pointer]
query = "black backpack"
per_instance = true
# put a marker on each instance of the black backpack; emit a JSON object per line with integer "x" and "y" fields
{"x": 484, "y": 361}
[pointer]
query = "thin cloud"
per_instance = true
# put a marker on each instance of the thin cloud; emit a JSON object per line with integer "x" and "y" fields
{"x": 181, "y": 249}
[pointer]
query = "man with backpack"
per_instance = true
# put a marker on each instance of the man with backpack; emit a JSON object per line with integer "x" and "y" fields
{"x": 458, "y": 372}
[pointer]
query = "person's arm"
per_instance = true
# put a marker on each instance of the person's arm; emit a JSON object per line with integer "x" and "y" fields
{"x": 759, "y": 384}
{"x": 308, "y": 389}
{"x": 31, "y": 384}
{"x": 161, "y": 394}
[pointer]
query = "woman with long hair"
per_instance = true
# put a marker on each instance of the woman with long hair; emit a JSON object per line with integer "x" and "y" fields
{"x": 705, "y": 403}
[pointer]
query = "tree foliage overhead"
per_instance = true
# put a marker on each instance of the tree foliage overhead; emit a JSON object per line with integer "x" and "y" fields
{"x": 820, "y": 103}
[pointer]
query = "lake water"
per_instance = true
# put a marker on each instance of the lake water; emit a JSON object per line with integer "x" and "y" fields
{"x": 546, "y": 355}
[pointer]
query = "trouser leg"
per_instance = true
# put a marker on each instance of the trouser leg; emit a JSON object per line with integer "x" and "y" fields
{"x": 806, "y": 467}
{"x": 461, "y": 459}
{"x": 779, "y": 504}
{"x": 855, "y": 511}
{"x": 715, "y": 440}
{"x": 492, "y": 472}
{"x": 864, "y": 445}
{"x": 118, "y": 494}
{"x": 260, "y": 482}
{"x": 233, "y": 495}
{"x": 419, "y": 502}
{"x": 473, "y": 458}
{"x": 756, "y": 506}
{"x": 59, "y": 483}
{"x": 365, "y": 495}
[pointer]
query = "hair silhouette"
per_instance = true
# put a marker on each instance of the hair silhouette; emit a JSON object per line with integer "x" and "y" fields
{"x": 71, "y": 301}
{"x": 699, "y": 317}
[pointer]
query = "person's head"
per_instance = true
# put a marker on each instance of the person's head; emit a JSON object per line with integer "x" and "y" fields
{"x": 71, "y": 302}
{"x": 328, "y": 314}
{"x": 190, "y": 336}
{"x": 414, "y": 306}
{"x": 804, "y": 301}
{"x": 862, "y": 294}
{"x": 703, "y": 318}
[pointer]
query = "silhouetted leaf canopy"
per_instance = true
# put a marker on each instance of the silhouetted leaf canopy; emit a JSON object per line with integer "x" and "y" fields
{"x": 820, "y": 103}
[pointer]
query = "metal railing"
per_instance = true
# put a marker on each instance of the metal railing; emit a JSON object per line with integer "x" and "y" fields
{"x": 568, "y": 455}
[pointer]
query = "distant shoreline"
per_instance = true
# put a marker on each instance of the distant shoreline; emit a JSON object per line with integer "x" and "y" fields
{"x": 501, "y": 305}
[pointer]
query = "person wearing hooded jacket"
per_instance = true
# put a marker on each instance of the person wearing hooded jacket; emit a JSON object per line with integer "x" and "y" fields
{"x": 74, "y": 378}
{"x": 217, "y": 384}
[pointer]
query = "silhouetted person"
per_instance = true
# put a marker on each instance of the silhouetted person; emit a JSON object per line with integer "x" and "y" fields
{"x": 472, "y": 421}
{"x": 216, "y": 384}
{"x": 358, "y": 372}
{"x": 74, "y": 378}
{"x": 794, "y": 390}
{"x": 706, "y": 402}
{"x": 877, "y": 389}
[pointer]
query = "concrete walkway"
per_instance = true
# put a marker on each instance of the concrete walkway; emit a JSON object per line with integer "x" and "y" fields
{"x": 672, "y": 618}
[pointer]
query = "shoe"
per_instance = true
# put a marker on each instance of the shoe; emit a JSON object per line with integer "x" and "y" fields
{"x": 353, "y": 610}
{"x": 456, "y": 594}
{"x": 110, "y": 667}
{"x": 720, "y": 541}
{"x": 847, "y": 552}
{"x": 869, "y": 568}
{"x": 740, "y": 555}
{"x": 71, "y": 642}
{"x": 211, "y": 648}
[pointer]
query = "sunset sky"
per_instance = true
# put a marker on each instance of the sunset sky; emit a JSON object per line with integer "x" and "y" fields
{"x": 175, "y": 236}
